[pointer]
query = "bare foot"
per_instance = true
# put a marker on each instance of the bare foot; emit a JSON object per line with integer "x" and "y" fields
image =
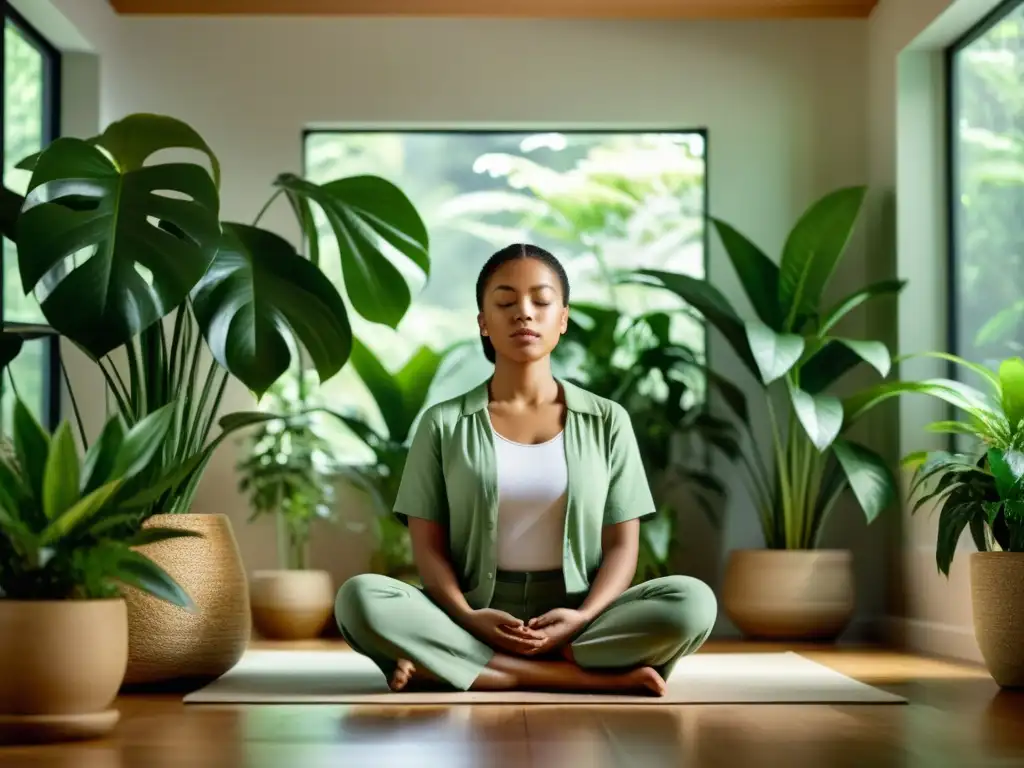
{"x": 407, "y": 677}
{"x": 646, "y": 680}
{"x": 402, "y": 676}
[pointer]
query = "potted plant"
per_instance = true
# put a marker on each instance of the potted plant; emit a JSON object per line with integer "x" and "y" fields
{"x": 67, "y": 550}
{"x": 635, "y": 361}
{"x": 288, "y": 472}
{"x": 132, "y": 263}
{"x": 981, "y": 489}
{"x": 793, "y": 349}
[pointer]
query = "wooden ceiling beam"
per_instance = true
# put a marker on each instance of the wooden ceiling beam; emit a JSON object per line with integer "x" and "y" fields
{"x": 580, "y": 9}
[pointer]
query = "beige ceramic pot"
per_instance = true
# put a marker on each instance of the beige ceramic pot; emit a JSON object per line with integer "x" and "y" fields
{"x": 61, "y": 665}
{"x": 171, "y": 647}
{"x": 997, "y": 596}
{"x": 292, "y": 605}
{"x": 777, "y": 594}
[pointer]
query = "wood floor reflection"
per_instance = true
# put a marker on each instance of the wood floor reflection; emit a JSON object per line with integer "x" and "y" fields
{"x": 957, "y": 717}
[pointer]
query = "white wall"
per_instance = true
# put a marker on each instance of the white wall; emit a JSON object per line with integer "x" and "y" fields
{"x": 784, "y": 103}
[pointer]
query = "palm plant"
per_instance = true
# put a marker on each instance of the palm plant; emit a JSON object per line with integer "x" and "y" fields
{"x": 792, "y": 345}
{"x": 62, "y": 521}
{"x": 164, "y": 280}
{"x": 981, "y": 488}
{"x": 288, "y": 469}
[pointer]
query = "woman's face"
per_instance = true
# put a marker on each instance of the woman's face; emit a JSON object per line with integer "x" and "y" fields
{"x": 523, "y": 312}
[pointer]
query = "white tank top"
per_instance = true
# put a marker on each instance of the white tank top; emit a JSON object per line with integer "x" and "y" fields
{"x": 533, "y": 485}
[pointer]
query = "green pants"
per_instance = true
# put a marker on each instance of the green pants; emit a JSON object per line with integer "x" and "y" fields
{"x": 652, "y": 624}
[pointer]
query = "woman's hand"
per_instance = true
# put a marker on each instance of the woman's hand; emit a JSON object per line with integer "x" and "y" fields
{"x": 503, "y": 631}
{"x": 557, "y": 627}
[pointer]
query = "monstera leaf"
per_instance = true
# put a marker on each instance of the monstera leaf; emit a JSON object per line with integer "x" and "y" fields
{"x": 368, "y": 216}
{"x": 131, "y": 241}
{"x": 257, "y": 295}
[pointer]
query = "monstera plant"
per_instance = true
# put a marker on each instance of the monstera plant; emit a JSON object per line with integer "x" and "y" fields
{"x": 128, "y": 254}
{"x": 795, "y": 351}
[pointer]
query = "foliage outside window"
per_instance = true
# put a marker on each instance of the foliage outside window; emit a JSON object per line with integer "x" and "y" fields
{"x": 30, "y": 97}
{"x": 602, "y": 202}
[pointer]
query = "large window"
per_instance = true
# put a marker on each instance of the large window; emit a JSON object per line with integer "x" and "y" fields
{"x": 986, "y": 81}
{"x": 31, "y": 70}
{"x": 600, "y": 201}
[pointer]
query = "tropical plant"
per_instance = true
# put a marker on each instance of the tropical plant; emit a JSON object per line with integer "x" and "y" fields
{"x": 401, "y": 398}
{"x": 62, "y": 521}
{"x": 287, "y": 469}
{"x": 792, "y": 345}
{"x": 154, "y": 247}
{"x": 982, "y": 488}
{"x": 662, "y": 383}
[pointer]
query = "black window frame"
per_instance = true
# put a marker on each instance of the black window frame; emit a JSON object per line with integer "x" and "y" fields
{"x": 51, "y": 57}
{"x": 951, "y": 119}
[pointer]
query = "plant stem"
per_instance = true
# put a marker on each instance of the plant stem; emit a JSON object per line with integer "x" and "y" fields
{"x": 266, "y": 205}
{"x": 112, "y": 385}
{"x": 782, "y": 467}
{"x": 74, "y": 403}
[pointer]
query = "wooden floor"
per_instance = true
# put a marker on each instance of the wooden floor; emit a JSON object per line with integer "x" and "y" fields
{"x": 957, "y": 717}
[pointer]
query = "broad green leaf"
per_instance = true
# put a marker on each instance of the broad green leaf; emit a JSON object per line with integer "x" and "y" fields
{"x": 383, "y": 387}
{"x": 10, "y": 209}
{"x": 80, "y": 514}
{"x": 14, "y": 496}
{"x": 914, "y": 459}
{"x": 139, "y": 571}
{"x": 32, "y": 447}
{"x": 60, "y": 480}
{"x": 774, "y": 353}
{"x": 79, "y": 201}
{"x": 820, "y": 415}
{"x": 709, "y": 302}
{"x": 1007, "y": 476}
{"x": 813, "y": 250}
{"x": 366, "y": 215}
{"x": 977, "y": 526}
{"x": 758, "y": 274}
{"x": 1011, "y": 379}
{"x": 134, "y": 139}
{"x": 874, "y": 353}
{"x": 951, "y": 428}
{"x": 869, "y": 477}
{"x": 854, "y": 300}
{"x": 258, "y": 299}
{"x": 142, "y": 442}
{"x": 1002, "y": 324}
{"x": 100, "y": 457}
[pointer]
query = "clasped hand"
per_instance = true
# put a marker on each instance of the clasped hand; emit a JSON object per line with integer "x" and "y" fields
{"x": 541, "y": 635}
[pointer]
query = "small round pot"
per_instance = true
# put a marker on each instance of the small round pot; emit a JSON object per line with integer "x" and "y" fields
{"x": 61, "y": 665}
{"x": 292, "y": 605}
{"x": 779, "y": 594}
{"x": 997, "y": 598}
{"x": 171, "y": 648}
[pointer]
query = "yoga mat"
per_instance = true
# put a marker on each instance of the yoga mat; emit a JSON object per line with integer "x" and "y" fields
{"x": 344, "y": 677}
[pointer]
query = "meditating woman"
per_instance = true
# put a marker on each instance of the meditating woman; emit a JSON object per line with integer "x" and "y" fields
{"x": 523, "y": 499}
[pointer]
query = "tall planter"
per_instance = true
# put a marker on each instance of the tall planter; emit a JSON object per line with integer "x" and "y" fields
{"x": 169, "y": 647}
{"x": 778, "y": 594}
{"x": 997, "y": 595}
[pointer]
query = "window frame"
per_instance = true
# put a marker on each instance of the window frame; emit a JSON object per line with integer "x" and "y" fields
{"x": 951, "y": 119}
{"x": 51, "y": 57}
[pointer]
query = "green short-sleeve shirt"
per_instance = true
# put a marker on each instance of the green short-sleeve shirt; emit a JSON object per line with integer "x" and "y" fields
{"x": 450, "y": 477}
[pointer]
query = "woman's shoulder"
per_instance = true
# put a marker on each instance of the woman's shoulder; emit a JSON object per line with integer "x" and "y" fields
{"x": 582, "y": 400}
